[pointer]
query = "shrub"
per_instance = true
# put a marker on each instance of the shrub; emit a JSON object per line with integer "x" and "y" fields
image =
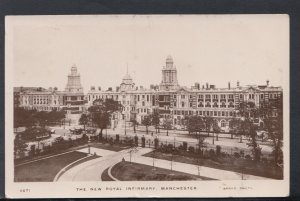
{"x": 248, "y": 157}
{"x": 223, "y": 154}
{"x": 218, "y": 151}
{"x": 117, "y": 138}
{"x": 136, "y": 140}
{"x": 242, "y": 153}
{"x": 184, "y": 146}
{"x": 143, "y": 141}
{"x": 236, "y": 155}
{"x": 191, "y": 149}
{"x": 212, "y": 153}
{"x": 156, "y": 143}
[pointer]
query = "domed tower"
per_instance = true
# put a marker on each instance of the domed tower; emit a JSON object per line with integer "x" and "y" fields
{"x": 74, "y": 84}
{"x": 127, "y": 83}
{"x": 169, "y": 76}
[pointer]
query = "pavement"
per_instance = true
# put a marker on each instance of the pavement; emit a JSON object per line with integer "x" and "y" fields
{"x": 226, "y": 143}
{"x": 93, "y": 169}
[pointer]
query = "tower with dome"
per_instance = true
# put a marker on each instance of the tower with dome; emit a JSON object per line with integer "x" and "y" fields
{"x": 169, "y": 76}
{"x": 127, "y": 83}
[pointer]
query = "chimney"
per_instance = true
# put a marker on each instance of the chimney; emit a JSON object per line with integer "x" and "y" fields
{"x": 99, "y": 88}
{"x": 206, "y": 85}
{"x": 228, "y": 85}
{"x": 268, "y": 83}
{"x": 92, "y": 88}
{"x": 203, "y": 86}
{"x": 117, "y": 89}
{"x": 238, "y": 84}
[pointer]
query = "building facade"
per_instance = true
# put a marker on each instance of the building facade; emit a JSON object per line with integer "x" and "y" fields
{"x": 72, "y": 99}
{"x": 168, "y": 98}
{"x": 175, "y": 102}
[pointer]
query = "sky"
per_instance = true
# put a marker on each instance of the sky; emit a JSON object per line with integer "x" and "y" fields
{"x": 205, "y": 48}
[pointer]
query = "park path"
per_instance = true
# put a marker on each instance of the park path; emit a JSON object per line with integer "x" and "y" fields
{"x": 92, "y": 170}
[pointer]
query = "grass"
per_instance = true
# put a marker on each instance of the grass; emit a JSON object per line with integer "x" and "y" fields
{"x": 105, "y": 176}
{"x": 109, "y": 147}
{"x": 126, "y": 171}
{"x": 45, "y": 170}
{"x": 231, "y": 164}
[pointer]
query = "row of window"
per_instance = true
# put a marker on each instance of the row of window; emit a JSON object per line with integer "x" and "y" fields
{"x": 229, "y": 96}
{"x": 208, "y": 104}
{"x": 204, "y": 113}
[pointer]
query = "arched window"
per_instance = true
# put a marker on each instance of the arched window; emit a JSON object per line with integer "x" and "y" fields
{"x": 231, "y": 104}
{"x": 207, "y": 104}
{"x": 200, "y": 104}
{"x": 223, "y": 123}
{"x": 215, "y": 104}
{"x": 223, "y": 104}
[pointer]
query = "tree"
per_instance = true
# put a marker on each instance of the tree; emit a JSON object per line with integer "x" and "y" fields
{"x": 20, "y": 146}
{"x": 248, "y": 112}
{"x": 234, "y": 125}
{"x": 194, "y": 124}
{"x": 23, "y": 117}
{"x": 34, "y": 134}
{"x": 156, "y": 120}
{"x": 101, "y": 112}
{"x": 134, "y": 123}
{"x": 216, "y": 130}
{"x": 208, "y": 122}
{"x": 256, "y": 150}
{"x": 146, "y": 122}
{"x": 273, "y": 123}
{"x": 167, "y": 124}
{"x": 83, "y": 120}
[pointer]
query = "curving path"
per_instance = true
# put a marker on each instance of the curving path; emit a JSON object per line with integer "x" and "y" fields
{"x": 93, "y": 169}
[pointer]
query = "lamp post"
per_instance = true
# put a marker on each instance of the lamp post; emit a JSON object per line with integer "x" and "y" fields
{"x": 125, "y": 123}
{"x": 106, "y": 133}
{"x": 172, "y": 162}
{"x": 153, "y": 168}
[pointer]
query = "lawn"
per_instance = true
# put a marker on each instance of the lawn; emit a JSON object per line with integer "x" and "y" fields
{"x": 231, "y": 164}
{"x": 126, "y": 171}
{"x": 109, "y": 147}
{"x": 45, "y": 170}
{"x": 105, "y": 176}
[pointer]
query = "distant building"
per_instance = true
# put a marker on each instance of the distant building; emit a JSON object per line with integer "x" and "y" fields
{"x": 168, "y": 98}
{"x": 72, "y": 99}
{"x": 176, "y": 102}
{"x": 73, "y": 96}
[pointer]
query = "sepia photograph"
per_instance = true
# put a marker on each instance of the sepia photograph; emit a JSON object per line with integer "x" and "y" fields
{"x": 147, "y": 106}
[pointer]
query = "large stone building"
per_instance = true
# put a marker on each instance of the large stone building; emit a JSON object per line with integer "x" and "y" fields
{"x": 169, "y": 98}
{"x": 176, "y": 102}
{"x": 72, "y": 99}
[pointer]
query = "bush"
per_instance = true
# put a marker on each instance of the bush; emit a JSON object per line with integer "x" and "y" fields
{"x": 223, "y": 154}
{"x": 156, "y": 143}
{"x": 184, "y": 146}
{"x": 191, "y": 149}
{"x": 143, "y": 141}
{"x": 248, "y": 157}
{"x": 218, "y": 151}
{"x": 117, "y": 138}
{"x": 236, "y": 155}
{"x": 136, "y": 141}
{"x": 242, "y": 153}
{"x": 212, "y": 153}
